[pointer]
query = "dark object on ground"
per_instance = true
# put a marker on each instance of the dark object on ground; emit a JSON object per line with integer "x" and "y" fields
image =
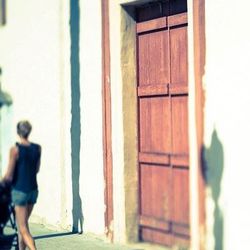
{"x": 7, "y": 218}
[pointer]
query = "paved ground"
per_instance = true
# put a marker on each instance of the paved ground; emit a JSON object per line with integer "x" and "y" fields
{"x": 47, "y": 239}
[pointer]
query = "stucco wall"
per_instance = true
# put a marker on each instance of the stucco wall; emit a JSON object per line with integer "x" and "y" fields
{"x": 91, "y": 154}
{"x": 33, "y": 55}
{"x": 37, "y": 60}
{"x": 227, "y": 123}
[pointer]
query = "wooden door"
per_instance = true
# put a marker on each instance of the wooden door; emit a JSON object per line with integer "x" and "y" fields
{"x": 163, "y": 127}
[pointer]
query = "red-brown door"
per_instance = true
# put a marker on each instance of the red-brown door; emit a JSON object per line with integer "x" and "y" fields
{"x": 163, "y": 129}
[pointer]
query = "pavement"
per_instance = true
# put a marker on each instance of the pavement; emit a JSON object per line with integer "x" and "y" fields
{"x": 47, "y": 239}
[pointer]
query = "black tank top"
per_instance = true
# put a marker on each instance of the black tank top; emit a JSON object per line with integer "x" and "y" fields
{"x": 26, "y": 167}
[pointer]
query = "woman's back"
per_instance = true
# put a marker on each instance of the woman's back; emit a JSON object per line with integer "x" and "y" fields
{"x": 26, "y": 167}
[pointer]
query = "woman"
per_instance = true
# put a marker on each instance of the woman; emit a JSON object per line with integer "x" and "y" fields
{"x": 24, "y": 163}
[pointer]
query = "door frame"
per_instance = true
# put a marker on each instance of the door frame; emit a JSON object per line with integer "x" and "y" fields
{"x": 121, "y": 25}
{"x": 106, "y": 128}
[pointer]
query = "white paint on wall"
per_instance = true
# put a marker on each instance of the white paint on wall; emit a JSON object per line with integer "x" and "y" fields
{"x": 6, "y": 140}
{"x": 226, "y": 111}
{"x": 32, "y": 59}
{"x": 91, "y": 156}
{"x": 35, "y": 59}
{"x": 65, "y": 114}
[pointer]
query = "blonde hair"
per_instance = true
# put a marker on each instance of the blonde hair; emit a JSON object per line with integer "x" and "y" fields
{"x": 24, "y": 128}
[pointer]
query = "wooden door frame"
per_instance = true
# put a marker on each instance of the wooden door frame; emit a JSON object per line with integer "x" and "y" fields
{"x": 199, "y": 57}
{"x": 106, "y": 108}
{"x": 196, "y": 53}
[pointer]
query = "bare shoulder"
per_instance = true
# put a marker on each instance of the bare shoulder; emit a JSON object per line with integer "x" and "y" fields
{"x": 14, "y": 151}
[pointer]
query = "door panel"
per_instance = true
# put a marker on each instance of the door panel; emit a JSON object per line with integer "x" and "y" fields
{"x": 155, "y": 125}
{"x": 179, "y": 125}
{"x": 178, "y": 47}
{"x": 181, "y": 197}
{"x": 153, "y": 58}
{"x": 154, "y": 179}
{"x": 163, "y": 129}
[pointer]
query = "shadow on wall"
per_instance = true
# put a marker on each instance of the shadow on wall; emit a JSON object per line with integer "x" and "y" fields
{"x": 213, "y": 163}
{"x": 5, "y": 128}
{"x": 212, "y": 158}
{"x": 5, "y": 98}
{"x": 75, "y": 130}
{"x": 5, "y": 101}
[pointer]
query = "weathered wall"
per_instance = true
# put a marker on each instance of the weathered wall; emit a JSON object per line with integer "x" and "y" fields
{"x": 117, "y": 122}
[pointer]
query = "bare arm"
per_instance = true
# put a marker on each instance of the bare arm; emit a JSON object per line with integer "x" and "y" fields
{"x": 12, "y": 163}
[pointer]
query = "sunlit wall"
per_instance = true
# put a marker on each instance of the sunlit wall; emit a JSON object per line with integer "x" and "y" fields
{"x": 226, "y": 84}
{"x": 37, "y": 61}
{"x": 32, "y": 50}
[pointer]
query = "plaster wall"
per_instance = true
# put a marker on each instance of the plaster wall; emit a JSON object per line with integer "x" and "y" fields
{"x": 36, "y": 62}
{"x": 227, "y": 134}
{"x": 34, "y": 53}
{"x": 91, "y": 153}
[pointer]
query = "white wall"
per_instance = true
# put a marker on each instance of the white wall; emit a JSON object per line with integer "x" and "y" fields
{"x": 35, "y": 59}
{"x": 91, "y": 172}
{"x": 33, "y": 54}
{"x": 227, "y": 87}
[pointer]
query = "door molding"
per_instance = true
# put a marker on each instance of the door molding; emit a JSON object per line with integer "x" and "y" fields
{"x": 106, "y": 107}
{"x": 197, "y": 57}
